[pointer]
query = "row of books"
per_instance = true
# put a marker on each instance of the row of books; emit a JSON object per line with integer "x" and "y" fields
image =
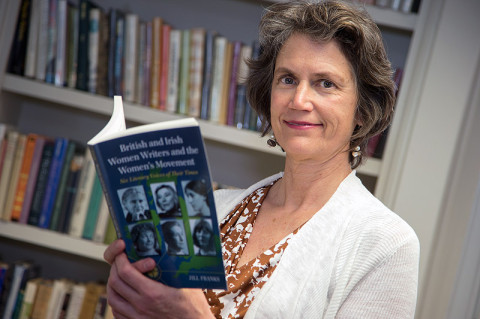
{"x": 51, "y": 182}
{"x": 405, "y": 6}
{"x": 196, "y": 72}
{"x": 25, "y": 294}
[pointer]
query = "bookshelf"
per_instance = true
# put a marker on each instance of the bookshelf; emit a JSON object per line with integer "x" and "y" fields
{"x": 398, "y": 180}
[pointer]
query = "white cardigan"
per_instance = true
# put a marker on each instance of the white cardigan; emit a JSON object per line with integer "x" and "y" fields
{"x": 354, "y": 258}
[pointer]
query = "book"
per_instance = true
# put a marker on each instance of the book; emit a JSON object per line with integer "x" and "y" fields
{"x": 207, "y": 74}
{"x": 197, "y": 51}
{"x": 41, "y": 52}
{"x": 102, "y": 222}
{"x": 241, "y": 103}
{"x": 60, "y": 288}
{"x": 173, "y": 70}
{"x": 82, "y": 196}
{"x": 226, "y": 80}
{"x": 61, "y": 49}
{"x": 92, "y": 293}
{"x": 76, "y": 300}
{"x": 141, "y": 58}
{"x": 51, "y": 41}
{"x": 131, "y": 51}
{"x": 11, "y": 142}
{"x": 139, "y": 164}
{"x": 215, "y": 107}
{"x": 40, "y": 184}
{"x": 16, "y": 63}
{"x": 54, "y": 177}
{"x": 156, "y": 67}
{"x": 42, "y": 299}
{"x": 233, "y": 85}
{"x": 31, "y": 50}
{"x": 73, "y": 148}
{"x": 28, "y": 298}
{"x": 70, "y": 192}
{"x": 95, "y": 16}
{"x": 14, "y": 177}
{"x": 72, "y": 45}
{"x": 24, "y": 175}
{"x": 182, "y": 106}
{"x": 165, "y": 51}
{"x": 93, "y": 208}
{"x": 147, "y": 65}
{"x": 83, "y": 45}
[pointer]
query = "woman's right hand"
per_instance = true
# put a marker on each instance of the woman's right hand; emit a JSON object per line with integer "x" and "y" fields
{"x": 131, "y": 294}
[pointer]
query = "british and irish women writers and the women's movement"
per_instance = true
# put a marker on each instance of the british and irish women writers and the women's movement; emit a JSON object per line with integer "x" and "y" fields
{"x": 311, "y": 241}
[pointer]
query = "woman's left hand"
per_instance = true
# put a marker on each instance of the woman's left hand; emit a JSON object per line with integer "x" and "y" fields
{"x": 133, "y": 295}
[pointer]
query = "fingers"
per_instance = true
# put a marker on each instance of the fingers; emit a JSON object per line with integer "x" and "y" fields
{"x": 113, "y": 250}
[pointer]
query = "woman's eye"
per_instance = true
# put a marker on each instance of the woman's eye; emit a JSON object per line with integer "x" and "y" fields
{"x": 327, "y": 84}
{"x": 287, "y": 80}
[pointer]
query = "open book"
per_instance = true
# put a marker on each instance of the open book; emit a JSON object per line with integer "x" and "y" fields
{"x": 158, "y": 188}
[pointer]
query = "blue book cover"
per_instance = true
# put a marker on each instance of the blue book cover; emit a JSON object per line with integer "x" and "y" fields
{"x": 158, "y": 188}
{"x": 59, "y": 153}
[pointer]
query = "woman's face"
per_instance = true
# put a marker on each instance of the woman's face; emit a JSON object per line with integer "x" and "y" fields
{"x": 177, "y": 238}
{"x": 313, "y": 100}
{"x": 197, "y": 201}
{"x": 146, "y": 241}
{"x": 165, "y": 199}
{"x": 203, "y": 237}
{"x": 135, "y": 204}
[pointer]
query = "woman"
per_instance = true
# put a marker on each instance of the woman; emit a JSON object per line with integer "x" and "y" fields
{"x": 175, "y": 238}
{"x": 311, "y": 242}
{"x": 203, "y": 238}
{"x": 134, "y": 204}
{"x": 167, "y": 200}
{"x": 196, "y": 195}
{"x": 145, "y": 240}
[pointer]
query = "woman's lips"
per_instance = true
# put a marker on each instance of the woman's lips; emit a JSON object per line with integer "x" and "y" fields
{"x": 300, "y": 125}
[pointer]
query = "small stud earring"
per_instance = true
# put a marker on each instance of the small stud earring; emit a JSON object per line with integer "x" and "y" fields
{"x": 272, "y": 142}
{"x": 356, "y": 151}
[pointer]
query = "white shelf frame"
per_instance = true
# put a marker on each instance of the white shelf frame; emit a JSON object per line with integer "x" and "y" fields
{"x": 51, "y": 239}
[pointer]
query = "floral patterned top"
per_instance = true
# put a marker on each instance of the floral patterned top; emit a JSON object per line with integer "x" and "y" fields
{"x": 244, "y": 282}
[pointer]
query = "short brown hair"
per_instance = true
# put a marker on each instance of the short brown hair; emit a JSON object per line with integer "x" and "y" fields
{"x": 360, "y": 40}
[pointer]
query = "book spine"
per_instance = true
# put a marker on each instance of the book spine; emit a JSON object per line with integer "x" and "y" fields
{"x": 226, "y": 76}
{"x": 241, "y": 106}
{"x": 16, "y": 64}
{"x": 23, "y": 176}
{"x": 140, "y": 77}
{"x": 52, "y": 41}
{"x": 131, "y": 53}
{"x": 102, "y": 66}
{"x": 162, "y": 94}
{"x": 41, "y": 62}
{"x": 54, "y": 175}
{"x": 59, "y": 197}
{"x": 156, "y": 62}
{"x": 147, "y": 67}
{"x": 119, "y": 68}
{"x": 13, "y": 182}
{"x": 93, "y": 47}
{"x": 80, "y": 206}
{"x": 72, "y": 46}
{"x": 93, "y": 209}
{"x": 217, "y": 79}
{"x": 232, "y": 90}
{"x": 184, "y": 72}
{"x": 83, "y": 44}
{"x": 197, "y": 51}
{"x": 32, "y": 179}
{"x": 207, "y": 74}
{"x": 41, "y": 184}
{"x": 173, "y": 70}
{"x": 102, "y": 222}
{"x": 31, "y": 50}
{"x": 61, "y": 43}
{"x": 112, "y": 31}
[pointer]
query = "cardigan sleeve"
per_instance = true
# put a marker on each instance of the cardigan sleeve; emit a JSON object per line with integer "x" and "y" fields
{"x": 387, "y": 291}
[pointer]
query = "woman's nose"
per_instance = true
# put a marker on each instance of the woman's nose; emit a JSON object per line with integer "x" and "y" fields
{"x": 302, "y": 98}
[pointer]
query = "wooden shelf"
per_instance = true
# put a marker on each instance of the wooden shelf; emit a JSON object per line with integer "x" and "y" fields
{"x": 142, "y": 115}
{"x": 51, "y": 239}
